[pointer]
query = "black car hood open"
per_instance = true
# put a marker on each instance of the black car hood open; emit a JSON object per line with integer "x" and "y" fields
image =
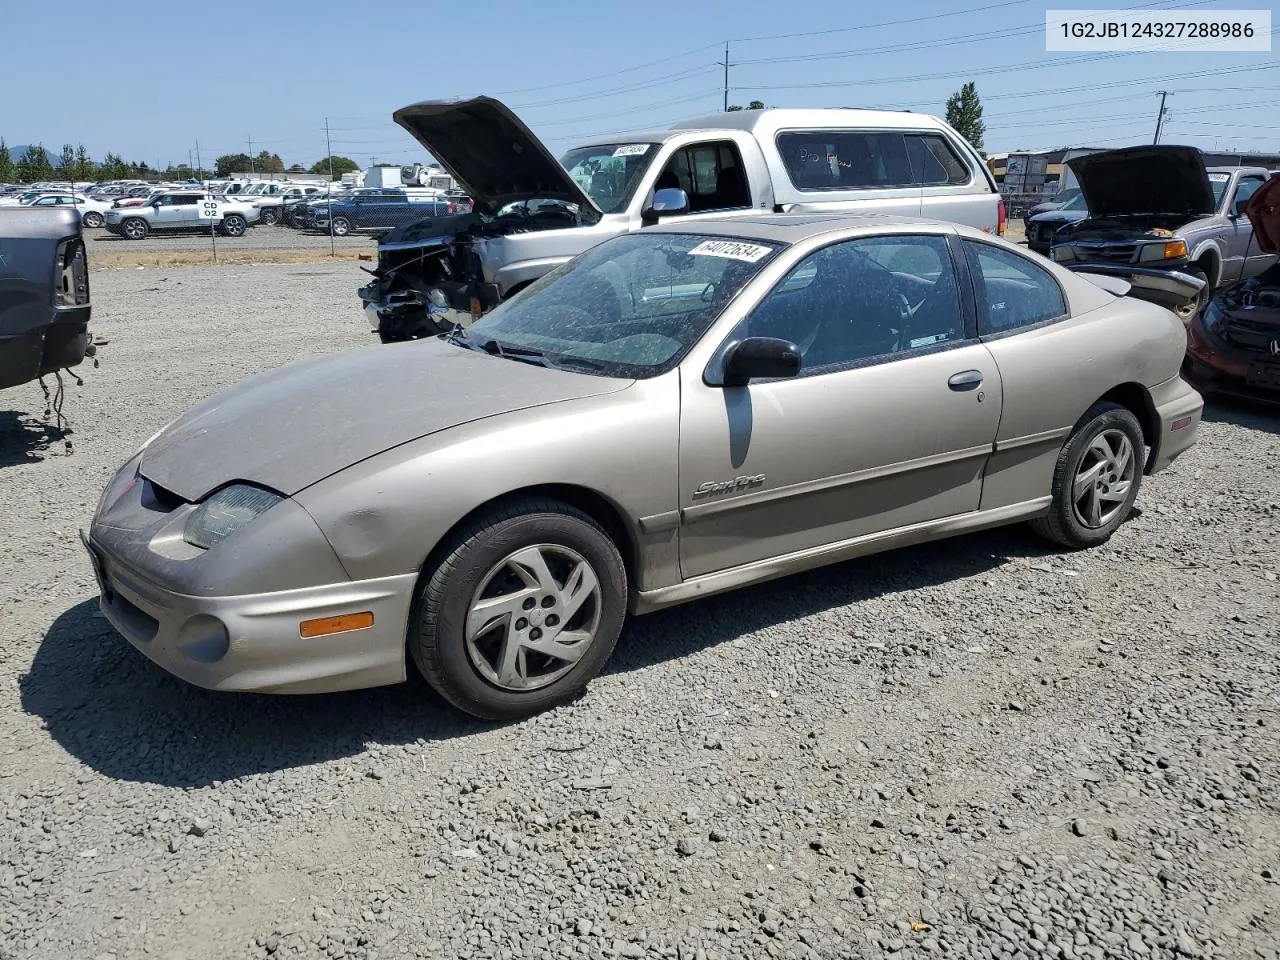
{"x": 490, "y": 152}
{"x": 1144, "y": 180}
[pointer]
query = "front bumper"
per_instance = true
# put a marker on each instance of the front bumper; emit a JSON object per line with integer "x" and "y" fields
{"x": 1218, "y": 370}
{"x": 229, "y": 618}
{"x": 252, "y": 642}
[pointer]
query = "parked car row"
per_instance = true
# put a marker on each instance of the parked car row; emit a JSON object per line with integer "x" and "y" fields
{"x": 370, "y": 209}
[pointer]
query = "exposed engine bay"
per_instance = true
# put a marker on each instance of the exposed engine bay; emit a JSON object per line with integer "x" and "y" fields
{"x": 429, "y": 276}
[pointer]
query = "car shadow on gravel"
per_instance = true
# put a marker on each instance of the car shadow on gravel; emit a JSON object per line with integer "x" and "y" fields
{"x": 680, "y": 631}
{"x": 1243, "y": 414}
{"x": 120, "y": 714}
{"x": 115, "y": 711}
{"x": 24, "y": 439}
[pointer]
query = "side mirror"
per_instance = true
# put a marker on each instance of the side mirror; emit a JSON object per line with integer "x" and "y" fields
{"x": 666, "y": 202}
{"x": 759, "y": 357}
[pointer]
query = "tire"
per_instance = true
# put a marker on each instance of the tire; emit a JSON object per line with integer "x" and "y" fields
{"x": 494, "y": 560}
{"x": 234, "y": 225}
{"x": 270, "y": 216}
{"x": 134, "y": 228}
{"x": 1191, "y": 311}
{"x": 93, "y": 219}
{"x": 1088, "y": 476}
{"x": 340, "y": 226}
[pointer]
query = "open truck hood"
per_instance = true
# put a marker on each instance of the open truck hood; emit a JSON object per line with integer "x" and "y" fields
{"x": 1144, "y": 180}
{"x": 490, "y": 151}
{"x": 1263, "y": 211}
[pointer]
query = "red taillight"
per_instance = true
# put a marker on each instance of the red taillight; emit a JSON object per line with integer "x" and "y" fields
{"x": 453, "y": 207}
{"x": 1002, "y": 222}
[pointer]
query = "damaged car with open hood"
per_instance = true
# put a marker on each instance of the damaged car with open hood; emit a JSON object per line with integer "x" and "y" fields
{"x": 1156, "y": 211}
{"x": 533, "y": 212}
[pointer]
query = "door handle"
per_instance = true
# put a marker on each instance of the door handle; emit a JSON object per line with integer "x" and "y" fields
{"x": 965, "y": 380}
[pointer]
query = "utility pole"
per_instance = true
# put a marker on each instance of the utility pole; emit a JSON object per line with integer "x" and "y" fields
{"x": 1160, "y": 115}
{"x": 199, "y": 166}
{"x": 251, "y": 154}
{"x": 726, "y": 76}
{"x": 190, "y": 169}
{"x": 328, "y": 149}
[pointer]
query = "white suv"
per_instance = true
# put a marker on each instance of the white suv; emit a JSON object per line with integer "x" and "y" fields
{"x": 182, "y": 210}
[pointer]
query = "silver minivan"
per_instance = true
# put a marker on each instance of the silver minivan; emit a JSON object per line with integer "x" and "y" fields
{"x": 534, "y": 212}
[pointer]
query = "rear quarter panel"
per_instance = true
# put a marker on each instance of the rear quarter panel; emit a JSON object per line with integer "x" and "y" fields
{"x": 1053, "y": 374}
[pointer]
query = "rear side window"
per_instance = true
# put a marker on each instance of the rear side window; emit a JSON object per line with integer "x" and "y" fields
{"x": 933, "y": 161}
{"x": 845, "y": 159}
{"x": 185, "y": 201}
{"x": 1012, "y": 291}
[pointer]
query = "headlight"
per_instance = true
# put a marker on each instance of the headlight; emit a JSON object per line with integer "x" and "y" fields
{"x": 1063, "y": 253}
{"x": 226, "y": 512}
{"x": 1169, "y": 250}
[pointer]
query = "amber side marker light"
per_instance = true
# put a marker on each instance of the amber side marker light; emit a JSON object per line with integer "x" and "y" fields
{"x": 341, "y": 624}
{"x": 1174, "y": 249}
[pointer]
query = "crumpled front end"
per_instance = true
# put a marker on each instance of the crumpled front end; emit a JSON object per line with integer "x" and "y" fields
{"x": 429, "y": 278}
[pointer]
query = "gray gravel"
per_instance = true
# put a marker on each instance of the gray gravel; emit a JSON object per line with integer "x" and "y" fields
{"x": 273, "y": 237}
{"x": 976, "y": 749}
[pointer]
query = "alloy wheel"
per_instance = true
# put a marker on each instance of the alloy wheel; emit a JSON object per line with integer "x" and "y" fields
{"x": 1104, "y": 478}
{"x": 533, "y": 617}
{"x": 135, "y": 230}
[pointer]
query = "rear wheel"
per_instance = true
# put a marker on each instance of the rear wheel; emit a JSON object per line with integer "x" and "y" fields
{"x": 269, "y": 216}
{"x": 522, "y": 612}
{"x": 234, "y": 225}
{"x": 341, "y": 226}
{"x": 1096, "y": 479}
{"x": 135, "y": 228}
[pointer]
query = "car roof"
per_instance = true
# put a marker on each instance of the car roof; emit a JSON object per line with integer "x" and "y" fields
{"x": 768, "y": 122}
{"x": 1263, "y": 171}
{"x": 793, "y": 228}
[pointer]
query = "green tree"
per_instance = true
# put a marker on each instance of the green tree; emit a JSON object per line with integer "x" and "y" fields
{"x": 34, "y": 165}
{"x": 268, "y": 163}
{"x": 230, "y": 163}
{"x": 297, "y": 168}
{"x": 964, "y": 113}
{"x": 66, "y": 167}
{"x": 114, "y": 168}
{"x": 341, "y": 165}
{"x": 753, "y": 105}
{"x": 8, "y": 173}
{"x": 84, "y": 166}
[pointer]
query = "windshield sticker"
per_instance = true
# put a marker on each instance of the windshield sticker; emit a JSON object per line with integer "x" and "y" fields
{"x": 748, "y": 252}
{"x": 631, "y": 150}
{"x": 1219, "y": 177}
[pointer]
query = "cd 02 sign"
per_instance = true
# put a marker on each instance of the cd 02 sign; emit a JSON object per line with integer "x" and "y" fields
{"x": 209, "y": 208}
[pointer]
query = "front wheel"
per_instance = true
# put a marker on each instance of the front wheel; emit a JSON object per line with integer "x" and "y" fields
{"x": 135, "y": 228}
{"x": 522, "y": 612}
{"x": 234, "y": 225}
{"x": 269, "y": 216}
{"x": 1096, "y": 479}
{"x": 93, "y": 219}
{"x": 341, "y": 226}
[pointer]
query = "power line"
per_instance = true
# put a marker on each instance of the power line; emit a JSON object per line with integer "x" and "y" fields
{"x": 885, "y": 23}
{"x": 686, "y": 75}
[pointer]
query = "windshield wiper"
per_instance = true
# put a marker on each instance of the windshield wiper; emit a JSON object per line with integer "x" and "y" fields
{"x": 510, "y": 352}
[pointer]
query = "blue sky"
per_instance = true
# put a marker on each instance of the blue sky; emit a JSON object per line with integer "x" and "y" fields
{"x": 148, "y": 80}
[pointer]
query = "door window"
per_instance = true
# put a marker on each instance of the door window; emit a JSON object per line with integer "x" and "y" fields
{"x": 711, "y": 174}
{"x": 863, "y": 299}
{"x": 1247, "y": 187}
{"x": 1013, "y": 292}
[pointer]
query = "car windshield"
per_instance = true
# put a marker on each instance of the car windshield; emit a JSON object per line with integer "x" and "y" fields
{"x": 1218, "y": 181}
{"x": 1075, "y": 203}
{"x": 609, "y": 173}
{"x": 631, "y": 307}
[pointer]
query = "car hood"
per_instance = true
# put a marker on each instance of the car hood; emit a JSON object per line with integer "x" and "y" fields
{"x": 1263, "y": 211}
{"x": 1144, "y": 180}
{"x": 1059, "y": 216}
{"x": 490, "y": 152}
{"x": 291, "y": 427}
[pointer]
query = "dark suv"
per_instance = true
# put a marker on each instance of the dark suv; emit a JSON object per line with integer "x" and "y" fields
{"x": 378, "y": 210}
{"x": 44, "y": 293}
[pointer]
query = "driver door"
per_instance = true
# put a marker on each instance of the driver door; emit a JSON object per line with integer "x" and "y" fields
{"x": 890, "y": 422}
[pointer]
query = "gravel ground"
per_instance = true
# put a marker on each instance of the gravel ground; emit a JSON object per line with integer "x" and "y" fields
{"x": 256, "y": 238}
{"x": 981, "y": 748}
